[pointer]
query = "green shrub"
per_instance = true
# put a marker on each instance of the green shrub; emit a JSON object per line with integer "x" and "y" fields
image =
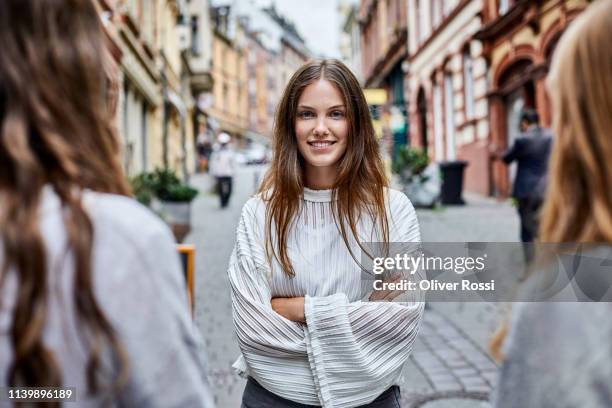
{"x": 143, "y": 188}
{"x": 410, "y": 163}
{"x": 163, "y": 184}
{"x": 178, "y": 193}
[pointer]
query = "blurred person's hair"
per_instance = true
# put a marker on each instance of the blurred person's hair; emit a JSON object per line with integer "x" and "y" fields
{"x": 530, "y": 116}
{"x": 578, "y": 203}
{"x": 55, "y": 130}
{"x": 361, "y": 180}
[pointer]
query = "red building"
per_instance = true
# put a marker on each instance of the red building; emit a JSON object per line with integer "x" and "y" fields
{"x": 519, "y": 38}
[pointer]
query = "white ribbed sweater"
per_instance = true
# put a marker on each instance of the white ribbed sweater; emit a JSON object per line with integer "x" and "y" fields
{"x": 349, "y": 351}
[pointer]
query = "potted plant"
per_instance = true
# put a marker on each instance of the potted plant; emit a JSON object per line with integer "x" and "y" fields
{"x": 143, "y": 188}
{"x": 168, "y": 196}
{"x": 418, "y": 176}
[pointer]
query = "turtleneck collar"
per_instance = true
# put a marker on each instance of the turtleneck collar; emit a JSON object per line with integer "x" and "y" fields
{"x": 319, "y": 196}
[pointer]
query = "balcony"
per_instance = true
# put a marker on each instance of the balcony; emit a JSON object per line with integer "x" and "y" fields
{"x": 201, "y": 82}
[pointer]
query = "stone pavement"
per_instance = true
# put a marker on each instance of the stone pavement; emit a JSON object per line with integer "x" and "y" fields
{"x": 450, "y": 361}
{"x": 449, "y": 367}
{"x": 213, "y": 234}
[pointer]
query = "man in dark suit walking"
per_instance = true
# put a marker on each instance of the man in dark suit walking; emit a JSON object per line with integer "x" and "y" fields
{"x": 531, "y": 151}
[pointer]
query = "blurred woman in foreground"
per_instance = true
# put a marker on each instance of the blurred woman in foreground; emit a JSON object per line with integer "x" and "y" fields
{"x": 559, "y": 354}
{"x": 91, "y": 292}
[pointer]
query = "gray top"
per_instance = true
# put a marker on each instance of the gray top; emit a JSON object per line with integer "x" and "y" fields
{"x": 139, "y": 285}
{"x": 559, "y": 354}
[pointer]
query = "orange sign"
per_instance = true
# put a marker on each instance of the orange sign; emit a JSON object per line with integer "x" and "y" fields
{"x": 187, "y": 254}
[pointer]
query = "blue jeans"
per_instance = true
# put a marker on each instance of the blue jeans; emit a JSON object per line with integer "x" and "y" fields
{"x": 256, "y": 396}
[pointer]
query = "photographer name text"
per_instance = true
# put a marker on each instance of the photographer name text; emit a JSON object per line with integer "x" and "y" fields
{"x": 433, "y": 285}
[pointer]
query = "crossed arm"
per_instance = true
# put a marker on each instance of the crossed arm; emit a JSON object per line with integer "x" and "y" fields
{"x": 338, "y": 344}
{"x": 293, "y": 308}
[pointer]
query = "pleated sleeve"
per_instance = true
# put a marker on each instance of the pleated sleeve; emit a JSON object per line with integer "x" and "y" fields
{"x": 265, "y": 338}
{"x": 357, "y": 349}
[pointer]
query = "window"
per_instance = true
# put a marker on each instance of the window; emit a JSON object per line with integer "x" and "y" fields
{"x": 468, "y": 84}
{"x": 225, "y": 98}
{"x": 195, "y": 37}
{"x": 239, "y": 100}
{"x": 449, "y": 115}
{"x": 223, "y": 58}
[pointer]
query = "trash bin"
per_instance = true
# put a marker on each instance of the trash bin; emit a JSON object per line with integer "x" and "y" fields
{"x": 452, "y": 182}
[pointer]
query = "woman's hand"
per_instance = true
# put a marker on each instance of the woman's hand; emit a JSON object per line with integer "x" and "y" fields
{"x": 290, "y": 308}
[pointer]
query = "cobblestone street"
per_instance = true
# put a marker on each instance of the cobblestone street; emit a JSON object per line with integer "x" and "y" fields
{"x": 450, "y": 366}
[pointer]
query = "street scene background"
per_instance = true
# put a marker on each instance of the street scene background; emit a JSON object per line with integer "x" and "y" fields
{"x": 446, "y": 81}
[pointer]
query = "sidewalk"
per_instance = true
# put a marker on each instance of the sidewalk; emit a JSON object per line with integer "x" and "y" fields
{"x": 450, "y": 366}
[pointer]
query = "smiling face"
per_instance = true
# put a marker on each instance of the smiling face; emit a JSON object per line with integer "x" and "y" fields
{"x": 321, "y": 128}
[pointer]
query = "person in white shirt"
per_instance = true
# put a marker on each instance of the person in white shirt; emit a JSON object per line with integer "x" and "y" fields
{"x": 222, "y": 167}
{"x": 92, "y": 295}
{"x": 307, "y": 335}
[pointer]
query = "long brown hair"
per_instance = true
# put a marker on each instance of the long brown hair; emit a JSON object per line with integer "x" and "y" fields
{"x": 360, "y": 184}
{"x": 578, "y": 203}
{"x": 55, "y": 130}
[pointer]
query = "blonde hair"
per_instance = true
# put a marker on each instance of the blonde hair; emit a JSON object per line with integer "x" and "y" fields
{"x": 578, "y": 203}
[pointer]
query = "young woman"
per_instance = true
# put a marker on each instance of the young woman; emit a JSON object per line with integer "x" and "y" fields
{"x": 559, "y": 354}
{"x": 305, "y": 336}
{"x": 91, "y": 292}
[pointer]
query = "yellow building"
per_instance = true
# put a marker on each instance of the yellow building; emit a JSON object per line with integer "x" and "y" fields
{"x": 150, "y": 42}
{"x": 229, "y": 91}
{"x": 229, "y": 110}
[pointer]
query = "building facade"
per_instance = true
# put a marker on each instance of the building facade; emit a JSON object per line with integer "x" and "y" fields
{"x": 350, "y": 37}
{"x": 448, "y": 86}
{"x": 270, "y": 49}
{"x": 383, "y": 30}
{"x": 519, "y": 38}
{"x": 150, "y": 44}
{"x": 260, "y": 90}
{"x": 229, "y": 110}
{"x": 197, "y": 77}
{"x": 292, "y": 51}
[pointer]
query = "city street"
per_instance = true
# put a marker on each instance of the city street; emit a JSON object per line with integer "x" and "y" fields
{"x": 117, "y": 111}
{"x": 450, "y": 366}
